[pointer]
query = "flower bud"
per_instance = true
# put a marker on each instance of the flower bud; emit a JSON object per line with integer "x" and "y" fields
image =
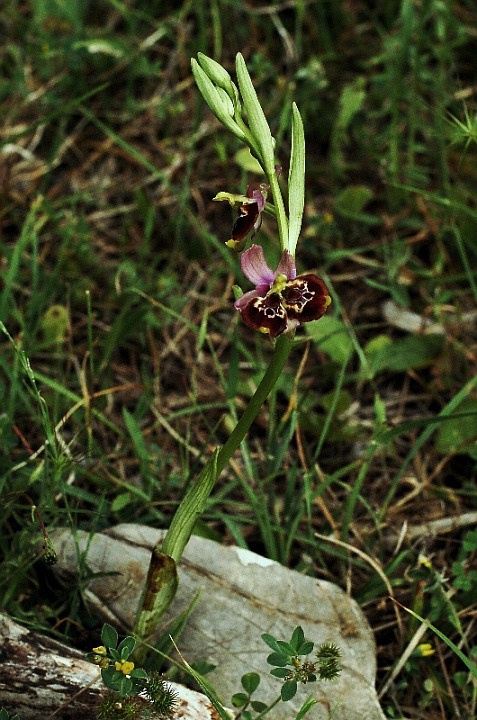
{"x": 217, "y": 74}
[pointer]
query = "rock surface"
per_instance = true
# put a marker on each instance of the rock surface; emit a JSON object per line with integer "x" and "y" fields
{"x": 242, "y": 595}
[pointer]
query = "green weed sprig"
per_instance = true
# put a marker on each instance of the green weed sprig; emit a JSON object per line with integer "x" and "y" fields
{"x": 292, "y": 664}
{"x": 133, "y": 692}
{"x": 290, "y": 667}
{"x": 50, "y": 556}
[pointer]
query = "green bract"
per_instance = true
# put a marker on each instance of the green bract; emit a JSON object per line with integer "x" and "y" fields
{"x": 296, "y": 180}
{"x": 256, "y": 119}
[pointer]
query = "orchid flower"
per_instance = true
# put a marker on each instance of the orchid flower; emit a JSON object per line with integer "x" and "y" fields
{"x": 281, "y": 300}
{"x": 251, "y": 206}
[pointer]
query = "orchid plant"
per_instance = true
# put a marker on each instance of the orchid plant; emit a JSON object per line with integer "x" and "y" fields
{"x": 279, "y": 302}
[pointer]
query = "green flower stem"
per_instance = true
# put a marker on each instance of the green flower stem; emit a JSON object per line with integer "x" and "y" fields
{"x": 193, "y": 503}
{"x": 161, "y": 584}
{"x": 281, "y": 215}
{"x": 268, "y": 708}
{"x": 272, "y": 373}
{"x": 190, "y": 509}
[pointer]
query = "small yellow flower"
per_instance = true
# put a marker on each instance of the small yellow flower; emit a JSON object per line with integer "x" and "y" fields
{"x": 426, "y": 649}
{"x": 424, "y": 560}
{"x": 125, "y": 666}
{"x": 101, "y": 650}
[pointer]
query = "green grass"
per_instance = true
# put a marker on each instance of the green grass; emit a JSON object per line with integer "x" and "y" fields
{"x": 122, "y": 362}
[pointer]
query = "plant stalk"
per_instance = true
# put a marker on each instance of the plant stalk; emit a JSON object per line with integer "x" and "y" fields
{"x": 272, "y": 373}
